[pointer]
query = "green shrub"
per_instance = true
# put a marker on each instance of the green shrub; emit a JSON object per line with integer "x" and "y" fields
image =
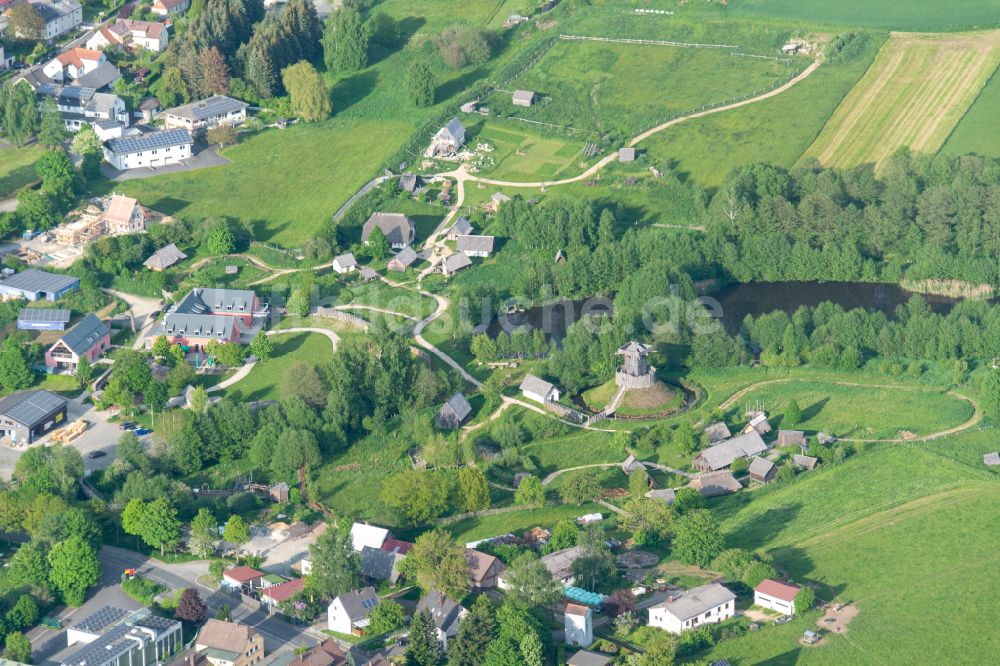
{"x": 142, "y": 589}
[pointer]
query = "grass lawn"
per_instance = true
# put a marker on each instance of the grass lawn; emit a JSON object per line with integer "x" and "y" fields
{"x": 285, "y": 182}
{"x": 916, "y": 91}
{"x": 64, "y": 384}
{"x": 380, "y": 295}
{"x": 904, "y": 531}
{"x": 517, "y": 522}
{"x": 775, "y": 131}
{"x": 522, "y": 154}
{"x": 865, "y": 412}
{"x": 264, "y": 381}
{"x": 655, "y": 400}
{"x": 598, "y": 397}
{"x": 602, "y": 87}
{"x": 17, "y": 168}
{"x": 976, "y": 131}
{"x": 214, "y": 274}
{"x": 914, "y": 15}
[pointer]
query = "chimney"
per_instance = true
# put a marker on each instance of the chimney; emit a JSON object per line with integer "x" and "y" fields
{"x": 191, "y": 659}
{"x": 671, "y": 598}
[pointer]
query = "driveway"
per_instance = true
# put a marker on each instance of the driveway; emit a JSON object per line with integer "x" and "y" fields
{"x": 204, "y": 156}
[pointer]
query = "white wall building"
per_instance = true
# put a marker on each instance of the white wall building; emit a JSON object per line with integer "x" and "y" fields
{"x": 539, "y": 390}
{"x": 579, "y": 622}
{"x": 206, "y": 114}
{"x": 155, "y": 149}
{"x": 73, "y": 64}
{"x": 79, "y": 105}
{"x": 60, "y": 16}
{"x": 776, "y": 595}
{"x": 148, "y": 35}
{"x": 706, "y": 604}
{"x": 345, "y": 263}
{"x": 372, "y": 536}
{"x": 348, "y": 613}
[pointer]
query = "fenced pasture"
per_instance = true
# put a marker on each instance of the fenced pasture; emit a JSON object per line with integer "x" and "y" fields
{"x": 622, "y": 88}
{"x": 914, "y": 94}
{"x": 521, "y": 152}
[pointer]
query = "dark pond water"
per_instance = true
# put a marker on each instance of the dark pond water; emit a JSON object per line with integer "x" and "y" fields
{"x": 759, "y": 298}
{"x": 553, "y": 318}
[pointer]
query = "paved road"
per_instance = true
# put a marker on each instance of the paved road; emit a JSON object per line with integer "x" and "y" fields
{"x": 368, "y": 187}
{"x": 207, "y": 156}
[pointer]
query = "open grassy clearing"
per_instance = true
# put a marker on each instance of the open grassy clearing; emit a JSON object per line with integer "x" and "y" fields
{"x": 17, "y": 168}
{"x": 903, "y": 531}
{"x": 516, "y": 522}
{"x": 976, "y": 131}
{"x": 264, "y": 381}
{"x": 521, "y": 154}
{"x": 916, "y": 91}
{"x": 863, "y": 412}
{"x": 775, "y": 131}
{"x": 213, "y": 274}
{"x": 625, "y": 88}
{"x": 283, "y": 181}
{"x": 395, "y": 299}
{"x": 914, "y": 15}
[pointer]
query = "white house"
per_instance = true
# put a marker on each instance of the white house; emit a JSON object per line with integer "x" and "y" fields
{"x": 6, "y": 62}
{"x": 474, "y": 246}
{"x": 154, "y": 149}
{"x": 445, "y": 613}
{"x": 448, "y": 139}
{"x": 348, "y": 613}
{"x": 345, "y": 263}
{"x": 72, "y": 64}
{"x": 60, "y": 16}
{"x": 706, "y": 604}
{"x": 367, "y": 535}
{"x": 523, "y": 98}
{"x": 79, "y": 106}
{"x": 776, "y": 595}
{"x": 148, "y": 35}
{"x": 245, "y": 578}
{"x": 206, "y": 114}
{"x": 539, "y": 390}
{"x": 579, "y": 625}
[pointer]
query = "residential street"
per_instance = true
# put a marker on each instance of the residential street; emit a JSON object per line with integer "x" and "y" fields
{"x": 49, "y": 646}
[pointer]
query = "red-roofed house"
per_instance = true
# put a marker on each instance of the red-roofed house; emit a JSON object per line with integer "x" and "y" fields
{"x": 170, "y": 7}
{"x": 275, "y": 594}
{"x": 242, "y": 578}
{"x": 776, "y": 595}
{"x": 74, "y": 63}
{"x": 395, "y": 545}
{"x": 124, "y": 216}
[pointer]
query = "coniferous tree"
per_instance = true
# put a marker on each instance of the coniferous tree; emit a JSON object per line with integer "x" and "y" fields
{"x": 420, "y": 84}
{"x": 423, "y": 648}
{"x": 345, "y": 41}
{"x": 475, "y": 632}
{"x": 52, "y": 128}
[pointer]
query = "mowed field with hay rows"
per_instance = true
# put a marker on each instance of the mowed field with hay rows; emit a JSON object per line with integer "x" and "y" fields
{"x": 914, "y": 95}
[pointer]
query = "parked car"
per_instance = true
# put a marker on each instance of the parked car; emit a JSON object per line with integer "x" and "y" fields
{"x": 142, "y": 432}
{"x": 154, "y": 314}
{"x": 96, "y": 454}
{"x": 128, "y": 425}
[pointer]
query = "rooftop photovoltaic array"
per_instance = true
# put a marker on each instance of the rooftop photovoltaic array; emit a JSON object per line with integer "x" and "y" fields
{"x": 44, "y": 314}
{"x": 150, "y": 141}
{"x": 370, "y": 602}
{"x": 31, "y": 408}
{"x": 101, "y": 619}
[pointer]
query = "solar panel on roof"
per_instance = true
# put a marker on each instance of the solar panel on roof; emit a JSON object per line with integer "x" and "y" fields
{"x": 371, "y": 602}
{"x": 150, "y": 141}
{"x": 43, "y": 314}
{"x": 78, "y": 92}
{"x": 102, "y": 618}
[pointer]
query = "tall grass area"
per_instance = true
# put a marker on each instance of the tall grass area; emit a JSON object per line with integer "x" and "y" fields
{"x": 265, "y": 380}
{"x": 776, "y": 131}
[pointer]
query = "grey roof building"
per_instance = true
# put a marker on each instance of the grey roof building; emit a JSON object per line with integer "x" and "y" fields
{"x": 42, "y": 319}
{"x": 809, "y": 462}
{"x": 695, "y": 602}
{"x": 667, "y": 495}
{"x": 403, "y": 260}
{"x": 165, "y": 257}
{"x": 445, "y": 612}
{"x": 399, "y": 230}
{"x": 378, "y": 564}
{"x": 762, "y": 470}
{"x": 791, "y": 437}
{"x": 723, "y": 454}
{"x": 538, "y": 389}
{"x": 28, "y": 415}
{"x": 185, "y": 325}
{"x": 462, "y": 227}
{"x": 408, "y": 182}
{"x": 368, "y": 274}
{"x": 588, "y": 658}
{"x": 626, "y": 154}
{"x": 454, "y": 412}
{"x": 206, "y": 300}
{"x": 207, "y": 113}
{"x": 101, "y": 77}
{"x": 523, "y": 98}
{"x": 712, "y": 484}
{"x": 453, "y": 263}
{"x": 560, "y": 562}
{"x": 474, "y": 246}
{"x": 717, "y": 432}
{"x": 34, "y": 284}
{"x": 128, "y": 145}
{"x": 85, "y": 334}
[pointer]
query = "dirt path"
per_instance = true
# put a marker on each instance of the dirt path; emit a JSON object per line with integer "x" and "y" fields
{"x": 375, "y": 309}
{"x": 977, "y": 412}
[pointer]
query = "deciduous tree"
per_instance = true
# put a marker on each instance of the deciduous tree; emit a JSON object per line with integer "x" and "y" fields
{"x": 530, "y": 492}
{"x": 440, "y": 564}
{"x": 73, "y": 569}
{"x": 191, "y": 608}
{"x": 154, "y": 522}
{"x": 530, "y": 584}
{"x": 474, "y": 489}
{"x": 308, "y": 91}
{"x": 697, "y": 537}
{"x": 336, "y": 566}
{"x": 418, "y": 495}
{"x": 204, "y": 533}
